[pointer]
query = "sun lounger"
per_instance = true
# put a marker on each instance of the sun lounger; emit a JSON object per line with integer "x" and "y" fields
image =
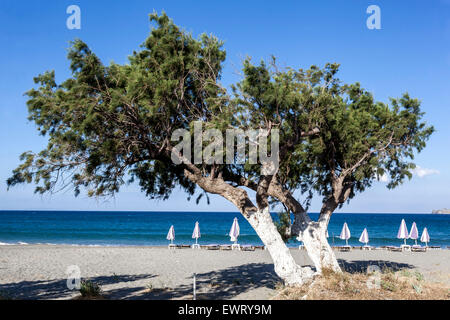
{"x": 247, "y": 247}
{"x": 235, "y": 246}
{"x": 260, "y": 247}
{"x": 367, "y": 247}
{"x": 183, "y": 246}
{"x": 434, "y": 247}
{"x": 212, "y": 247}
{"x": 405, "y": 247}
{"x": 225, "y": 247}
{"x": 418, "y": 249}
{"x": 395, "y": 249}
{"x": 172, "y": 246}
{"x": 344, "y": 248}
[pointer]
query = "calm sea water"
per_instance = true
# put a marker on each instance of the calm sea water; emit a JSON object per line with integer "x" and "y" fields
{"x": 150, "y": 228}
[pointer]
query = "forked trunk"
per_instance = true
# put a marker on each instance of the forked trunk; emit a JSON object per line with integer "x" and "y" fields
{"x": 285, "y": 266}
{"x": 316, "y": 244}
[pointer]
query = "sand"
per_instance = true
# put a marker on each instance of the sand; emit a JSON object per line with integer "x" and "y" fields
{"x": 39, "y": 271}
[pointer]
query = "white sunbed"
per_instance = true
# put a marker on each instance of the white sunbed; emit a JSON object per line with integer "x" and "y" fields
{"x": 235, "y": 246}
{"x": 418, "y": 248}
{"x": 344, "y": 248}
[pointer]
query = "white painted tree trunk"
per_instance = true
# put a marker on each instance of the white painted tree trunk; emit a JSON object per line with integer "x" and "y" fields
{"x": 316, "y": 244}
{"x": 285, "y": 266}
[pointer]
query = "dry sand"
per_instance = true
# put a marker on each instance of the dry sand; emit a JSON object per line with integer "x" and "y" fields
{"x": 39, "y": 271}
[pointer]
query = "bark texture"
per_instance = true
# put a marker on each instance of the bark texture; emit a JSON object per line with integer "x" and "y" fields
{"x": 285, "y": 266}
{"x": 316, "y": 244}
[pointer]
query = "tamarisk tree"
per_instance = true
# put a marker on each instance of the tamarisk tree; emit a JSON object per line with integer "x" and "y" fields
{"x": 109, "y": 125}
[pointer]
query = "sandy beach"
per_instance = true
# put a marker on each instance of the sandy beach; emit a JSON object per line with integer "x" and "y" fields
{"x": 39, "y": 271}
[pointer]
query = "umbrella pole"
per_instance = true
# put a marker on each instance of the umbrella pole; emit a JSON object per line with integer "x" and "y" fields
{"x": 404, "y": 241}
{"x": 195, "y": 294}
{"x": 346, "y": 242}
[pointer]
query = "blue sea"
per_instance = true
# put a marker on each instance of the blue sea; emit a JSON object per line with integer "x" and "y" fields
{"x": 150, "y": 228}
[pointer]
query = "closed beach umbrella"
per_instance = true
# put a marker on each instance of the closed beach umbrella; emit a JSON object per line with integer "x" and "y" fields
{"x": 403, "y": 231}
{"x": 345, "y": 233}
{"x": 171, "y": 234}
{"x": 327, "y": 234}
{"x": 364, "y": 238}
{"x": 196, "y": 233}
{"x": 425, "y": 236}
{"x": 414, "y": 233}
{"x": 234, "y": 231}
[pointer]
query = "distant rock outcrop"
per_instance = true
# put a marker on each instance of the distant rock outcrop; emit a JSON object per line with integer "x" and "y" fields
{"x": 441, "y": 211}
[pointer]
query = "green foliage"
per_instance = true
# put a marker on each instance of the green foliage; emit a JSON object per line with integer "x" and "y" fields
{"x": 112, "y": 124}
{"x": 109, "y": 121}
{"x": 283, "y": 225}
{"x": 357, "y": 139}
{"x": 90, "y": 289}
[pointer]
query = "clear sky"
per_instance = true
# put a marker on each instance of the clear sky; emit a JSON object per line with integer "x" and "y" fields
{"x": 410, "y": 53}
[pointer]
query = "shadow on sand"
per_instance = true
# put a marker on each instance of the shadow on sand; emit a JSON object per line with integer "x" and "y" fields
{"x": 225, "y": 284}
{"x": 57, "y": 289}
{"x": 221, "y": 284}
{"x": 361, "y": 265}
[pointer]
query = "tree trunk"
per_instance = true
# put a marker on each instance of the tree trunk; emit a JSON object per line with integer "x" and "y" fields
{"x": 316, "y": 244}
{"x": 312, "y": 234}
{"x": 285, "y": 266}
{"x": 261, "y": 221}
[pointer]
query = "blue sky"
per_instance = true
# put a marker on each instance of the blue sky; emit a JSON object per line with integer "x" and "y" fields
{"x": 410, "y": 53}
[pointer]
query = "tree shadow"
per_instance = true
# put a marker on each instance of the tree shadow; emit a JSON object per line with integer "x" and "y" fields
{"x": 221, "y": 284}
{"x": 359, "y": 266}
{"x": 57, "y": 289}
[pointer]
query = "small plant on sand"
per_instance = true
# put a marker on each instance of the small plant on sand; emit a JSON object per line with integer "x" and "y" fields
{"x": 419, "y": 276}
{"x": 387, "y": 285}
{"x": 160, "y": 287}
{"x": 115, "y": 277}
{"x": 418, "y": 288}
{"x": 90, "y": 289}
{"x": 405, "y": 273}
{"x": 279, "y": 286}
{"x": 214, "y": 284}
